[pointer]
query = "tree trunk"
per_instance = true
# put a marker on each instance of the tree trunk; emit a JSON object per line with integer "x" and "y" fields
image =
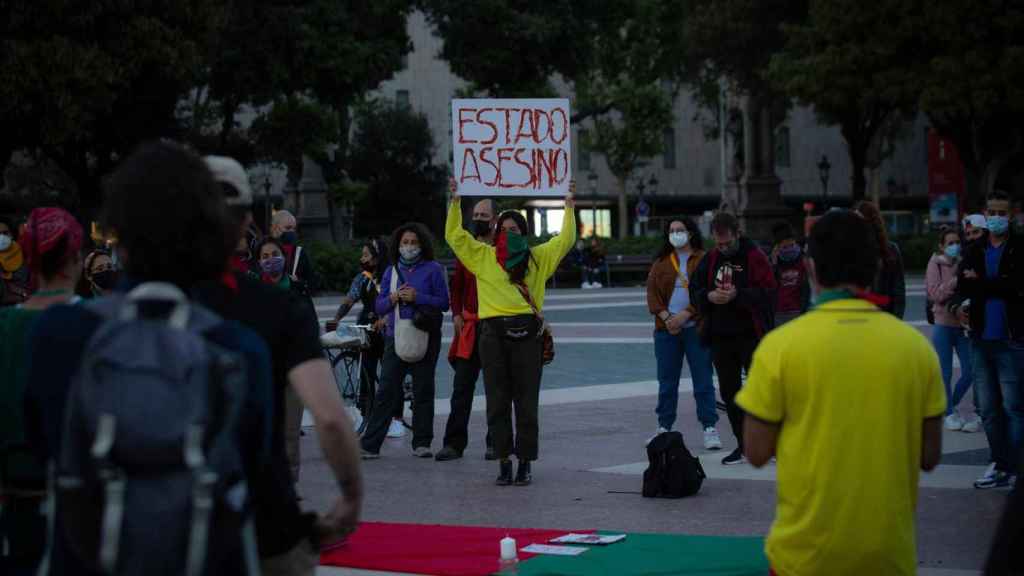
{"x": 858, "y": 161}
{"x": 623, "y": 209}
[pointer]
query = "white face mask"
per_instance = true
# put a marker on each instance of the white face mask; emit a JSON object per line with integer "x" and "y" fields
{"x": 409, "y": 252}
{"x": 5, "y": 242}
{"x": 679, "y": 239}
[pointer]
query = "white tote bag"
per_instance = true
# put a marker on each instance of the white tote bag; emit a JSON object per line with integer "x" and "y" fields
{"x": 410, "y": 342}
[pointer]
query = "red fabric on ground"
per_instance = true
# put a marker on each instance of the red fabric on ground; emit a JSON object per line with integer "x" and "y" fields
{"x": 431, "y": 549}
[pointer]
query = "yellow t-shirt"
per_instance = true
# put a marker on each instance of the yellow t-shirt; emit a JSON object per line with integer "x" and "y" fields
{"x": 851, "y": 388}
{"x": 497, "y": 296}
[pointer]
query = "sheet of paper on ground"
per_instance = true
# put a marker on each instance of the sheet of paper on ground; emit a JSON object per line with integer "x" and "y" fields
{"x": 554, "y": 550}
{"x": 599, "y": 539}
{"x": 512, "y": 147}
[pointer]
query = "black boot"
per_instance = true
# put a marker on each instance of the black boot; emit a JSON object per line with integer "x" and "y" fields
{"x": 505, "y": 477}
{"x": 523, "y": 476}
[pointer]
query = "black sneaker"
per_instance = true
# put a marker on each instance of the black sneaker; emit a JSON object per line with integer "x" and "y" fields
{"x": 448, "y": 453}
{"x": 735, "y": 457}
{"x": 523, "y": 476}
{"x": 505, "y": 477}
{"x": 490, "y": 454}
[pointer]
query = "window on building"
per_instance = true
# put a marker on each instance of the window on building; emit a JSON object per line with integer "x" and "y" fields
{"x": 582, "y": 151}
{"x": 782, "y": 153}
{"x": 402, "y": 98}
{"x": 669, "y": 148}
{"x": 603, "y": 217}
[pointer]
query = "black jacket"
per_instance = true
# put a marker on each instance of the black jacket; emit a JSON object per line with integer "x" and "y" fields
{"x": 890, "y": 282}
{"x": 1007, "y": 285}
{"x": 752, "y": 312}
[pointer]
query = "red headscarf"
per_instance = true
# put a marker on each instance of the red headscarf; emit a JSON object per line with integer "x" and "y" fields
{"x": 43, "y": 231}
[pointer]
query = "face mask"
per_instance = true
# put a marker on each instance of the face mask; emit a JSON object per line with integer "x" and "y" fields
{"x": 789, "y": 253}
{"x": 367, "y": 266}
{"x": 104, "y": 280}
{"x": 5, "y": 242}
{"x": 273, "y": 266}
{"x": 290, "y": 237}
{"x": 998, "y": 225}
{"x": 409, "y": 253}
{"x": 679, "y": 239}
{"x": 953, "y": 251}
{"x": 481, "y": 227}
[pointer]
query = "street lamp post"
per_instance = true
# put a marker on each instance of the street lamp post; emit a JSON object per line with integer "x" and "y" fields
{"x": 266, "y": 202}
{"x": 592, "y": 180}
{"x": 824, "y": 166}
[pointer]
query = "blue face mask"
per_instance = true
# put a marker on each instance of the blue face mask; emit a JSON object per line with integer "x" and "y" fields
{"x": 998, "y": 225}
{"x": 953, "y": 251}
{"x": 789, "y": 253}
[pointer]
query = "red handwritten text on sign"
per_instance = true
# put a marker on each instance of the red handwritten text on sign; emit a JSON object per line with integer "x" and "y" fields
{"x": 511, "y": 147}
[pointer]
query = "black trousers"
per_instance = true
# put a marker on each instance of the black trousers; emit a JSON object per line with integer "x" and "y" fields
{"x": 390, "y": 394}
{"x": 467, "y": 371}
{"x": 732, "y": 356}
{"x": 371, "y": 358}
{"x": 512, "y": 373}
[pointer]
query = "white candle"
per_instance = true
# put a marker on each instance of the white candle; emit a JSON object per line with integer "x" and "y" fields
{"x": 508, "y": 548}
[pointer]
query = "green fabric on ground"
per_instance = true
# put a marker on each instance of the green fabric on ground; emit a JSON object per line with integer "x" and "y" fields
{"x": 658, "y": 555}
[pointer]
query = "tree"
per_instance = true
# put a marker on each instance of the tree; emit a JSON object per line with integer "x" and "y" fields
{"x": 620, "y": 59}
{"x": 390, "y": 162}
{"x": 971, "y": 84}
{"x": 849, "y": 62}
{"x": 630, "y": 136}
{"x": 82, "y": 83}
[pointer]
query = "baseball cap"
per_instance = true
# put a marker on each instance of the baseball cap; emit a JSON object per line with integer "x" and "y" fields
{"x": 976, "y": 220}
{"x": 231, "y": 175}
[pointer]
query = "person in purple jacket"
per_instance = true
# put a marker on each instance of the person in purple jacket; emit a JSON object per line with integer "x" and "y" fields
{"x": 421, "y": 287}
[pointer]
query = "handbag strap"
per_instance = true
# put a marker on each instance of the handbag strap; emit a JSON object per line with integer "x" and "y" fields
{"x": 394, "y": 288}
{"x": 529, "y": 300}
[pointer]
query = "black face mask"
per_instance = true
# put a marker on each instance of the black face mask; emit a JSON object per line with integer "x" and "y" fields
{"x": 481, "y": 227}
{"x": 105, "y": 280}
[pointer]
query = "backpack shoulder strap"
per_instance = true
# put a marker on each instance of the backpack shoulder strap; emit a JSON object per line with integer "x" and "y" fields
{"x": 712, "y": 260}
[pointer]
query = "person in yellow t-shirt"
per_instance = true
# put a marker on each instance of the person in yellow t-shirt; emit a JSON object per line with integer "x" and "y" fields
{"x": 851, "y": 401}
{"x": 509, "y": 274}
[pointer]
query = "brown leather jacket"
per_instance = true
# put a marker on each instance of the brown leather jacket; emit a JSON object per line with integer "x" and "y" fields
{"x": 661, "y": 281}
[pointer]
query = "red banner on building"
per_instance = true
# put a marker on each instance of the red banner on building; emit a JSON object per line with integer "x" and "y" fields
{"x": 945, "y": 180}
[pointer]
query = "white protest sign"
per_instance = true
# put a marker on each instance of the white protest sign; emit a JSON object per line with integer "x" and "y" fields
{"x": 512, "y": 147}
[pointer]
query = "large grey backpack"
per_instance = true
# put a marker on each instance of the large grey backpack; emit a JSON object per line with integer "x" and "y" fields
{"x": 150, "y": 477}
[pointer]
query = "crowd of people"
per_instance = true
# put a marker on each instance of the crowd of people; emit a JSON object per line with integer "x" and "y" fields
{"x": 191, "y": 277}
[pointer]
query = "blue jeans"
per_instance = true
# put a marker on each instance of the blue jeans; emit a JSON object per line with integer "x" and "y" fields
{"x": 1000, "y": 399}
{"x": 946, "y": 339}
{"x": 669, "y": 351}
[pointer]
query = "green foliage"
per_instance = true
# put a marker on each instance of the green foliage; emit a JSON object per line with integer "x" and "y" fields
{"x": 917, "y": 251}
{"x": 823, "y": 65}
{"x": 336, "y": 265}
{"x": 82, "y": 83}
{"x": 971, "y": 86}
{"x": 390, "y": 154}
{"x": 294, "y": 127}
{"x": 636, "y": 132}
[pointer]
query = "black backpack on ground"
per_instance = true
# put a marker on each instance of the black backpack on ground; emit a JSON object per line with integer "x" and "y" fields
{"x": 673, "y": 471}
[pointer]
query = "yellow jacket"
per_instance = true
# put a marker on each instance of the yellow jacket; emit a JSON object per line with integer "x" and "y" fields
{"x": 496, "y": 294}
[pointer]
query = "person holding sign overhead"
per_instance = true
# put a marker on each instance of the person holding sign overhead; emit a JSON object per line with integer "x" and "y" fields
{"x": 510, "y": 288}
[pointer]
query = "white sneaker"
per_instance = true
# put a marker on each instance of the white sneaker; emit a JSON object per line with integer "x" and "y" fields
{"x": 585, "y": 286}
{"x": 972, "y": 425}
{"x": 597, "y": 285}
{"x": 954, "y": 422}
{"x": 656, "y": 434}
{"x": 396, "y": 429}
{"x": 712, "y": 441}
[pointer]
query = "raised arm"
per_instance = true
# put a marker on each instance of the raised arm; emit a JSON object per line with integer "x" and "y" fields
{"x": 471, "y": 252}
{"x": 550, "y": 254}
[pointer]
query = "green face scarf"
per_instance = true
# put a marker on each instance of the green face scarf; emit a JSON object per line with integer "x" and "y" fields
{"x": 511, "y": 249}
